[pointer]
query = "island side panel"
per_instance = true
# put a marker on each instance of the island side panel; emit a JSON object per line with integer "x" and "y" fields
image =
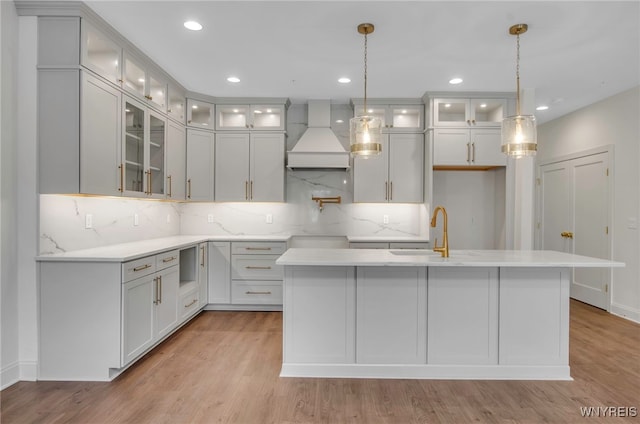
{"x": 319, "y": 315}
{"x": 534, "y": 316}
{"x": 391, "y": 316}
{"x": 463, "y": 316}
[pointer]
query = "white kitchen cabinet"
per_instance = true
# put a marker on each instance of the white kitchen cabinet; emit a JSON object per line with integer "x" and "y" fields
{"x": 253, "y": 117}
{"x": 200, "y": 164}
{"x": 468, "y": 333}
{"x": 176, "y": 103}
{"x": 219, "y": 272}
{"x": 468, "y": 112}
{"x": 249, "y": 167}
{"x": 389, "y": 299}
{"x": 176, "y": 161}
{"x": 203, "y": 274}
{"x": 139, "y": 79}
{"x": 144, "y": 136}
{"x": 100, "y": 53}
{"x": 407, "y": 117}
{"x": 255, "y": 277}
{"x": 200, "y": 114}
{"x": 395, "y": 176}
{"x": 467, "y": 147}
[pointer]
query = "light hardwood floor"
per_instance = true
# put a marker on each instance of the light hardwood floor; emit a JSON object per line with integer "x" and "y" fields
{"x": 223, "y": 368}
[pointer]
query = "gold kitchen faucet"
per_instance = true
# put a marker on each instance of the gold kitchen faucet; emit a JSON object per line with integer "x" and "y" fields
{"x": 444, "y": 249}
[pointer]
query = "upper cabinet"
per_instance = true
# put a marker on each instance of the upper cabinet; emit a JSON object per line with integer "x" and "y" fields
{"x": 468, "y": 112}
{"x": 176, "y": 106}
{"x": 100, "y": 53}
{"x": 200, "y": 114}
{"x": 140, "y": 80}
{"x": 399, "y": 115}
{"x": 250, "y": 117}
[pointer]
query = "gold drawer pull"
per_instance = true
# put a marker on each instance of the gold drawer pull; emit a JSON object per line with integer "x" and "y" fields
{"x": 257, "y": 292}
{"x": 140, "y": 268}
{"x": 165, "y": 260}
{"x": 191, "y": 303}
{"x": 566, "y": 234}
{"x": 257, "y": 267}
{"x": 257, "y": 248}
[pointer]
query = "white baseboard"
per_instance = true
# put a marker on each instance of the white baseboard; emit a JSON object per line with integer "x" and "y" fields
{"x": 625, "y": 312}
{"x": 259, "y": 308}
{"x": 9, "y": 375}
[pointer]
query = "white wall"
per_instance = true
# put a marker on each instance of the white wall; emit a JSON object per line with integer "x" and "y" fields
{"x": 614, "y": 121}
{"x": 9, "y": 335}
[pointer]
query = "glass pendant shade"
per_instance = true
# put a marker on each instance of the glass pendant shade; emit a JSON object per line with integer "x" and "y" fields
{"x": 365, "y": 133}
{"x": 519, "y": 137}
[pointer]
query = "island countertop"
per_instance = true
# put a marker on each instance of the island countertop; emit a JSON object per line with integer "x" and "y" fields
{"x": 457, "y": 258}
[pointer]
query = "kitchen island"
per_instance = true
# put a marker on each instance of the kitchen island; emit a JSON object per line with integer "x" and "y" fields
{"x": 379, "y": 313}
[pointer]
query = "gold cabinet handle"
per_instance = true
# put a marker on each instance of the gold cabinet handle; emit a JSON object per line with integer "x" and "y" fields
{"x": 473, "y": 121}
{"x": 257, "y": 267}
{"x": 386, "y": 190}
{"x": 141, "y": 267}
{"x": 246, "y": 190}
{"x": 566, "y": 234}
{"x": 155, "y": 300}
{"x": 391, "y": 190}
{"x": 160, "y": 289}
{"x": 468, "y": 152}
{"x": 169, "y": 178}
{"x": 173, "y": 258}
{"x": 149, "y": 97}
{"x": 469, "y": 121}
{"x": 251, "y": 189}
{"x": 202, "y": 256}
{"x": 257, "y": 248}
{"x": 191, "y": 303}
{"x": 473, "y": 152}
{"x": 257, "y": 292}
{"x": 150, "y": 182}
{"x": 121, "y": 168}
{"x": 189, "y": 188}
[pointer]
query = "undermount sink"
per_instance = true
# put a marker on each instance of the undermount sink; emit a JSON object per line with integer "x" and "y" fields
{"x": 415, "y": 252}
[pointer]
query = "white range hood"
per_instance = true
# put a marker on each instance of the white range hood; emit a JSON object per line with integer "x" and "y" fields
{"x": 318, "y": 148}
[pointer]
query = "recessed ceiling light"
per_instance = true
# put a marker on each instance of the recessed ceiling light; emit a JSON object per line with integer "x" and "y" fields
{"x": 269, "y": 111}
{"x": 483, "y": 105}
{"x": 257, "y": 111}
{"x": 233, "y": 79}
{"x": 140, "y": 79}
{"x": 447, "y": 105}
{"x": 344, "y": 80}
{"x": 235, "y": 111}
{"x": 339, "y": 121}
{"x": 542, "y": 107}
{"x": 370, "y": 111}
{"x": 455, "y": 80}
{"x": 194, "y": 107}
{"x": 193, "y": 25}
{"x": 404, "y": 110}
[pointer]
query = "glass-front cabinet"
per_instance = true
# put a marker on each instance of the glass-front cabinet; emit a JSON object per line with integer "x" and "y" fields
{"x": 468, "y": 112}
{"x": 144, "y": 148}
{"x": 200, "y": 114}
{"x": 395, "y": 117}
{"x": 176, "y": 109}
{"x": 100, "y": 53}
{"x": 138, "y": 80}
{"x": 250, "y": 117}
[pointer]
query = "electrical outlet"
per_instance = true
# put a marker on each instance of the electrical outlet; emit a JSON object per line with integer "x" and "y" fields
{"x": 269, "y": 218}
{"x": 136, "y": 220}
{"x": 88, "y": 221}
{"x": 385, "y": 219}
{"x": 210, "y": 218}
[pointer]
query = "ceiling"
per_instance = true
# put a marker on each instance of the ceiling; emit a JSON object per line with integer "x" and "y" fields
{"x": 575, "y": 53}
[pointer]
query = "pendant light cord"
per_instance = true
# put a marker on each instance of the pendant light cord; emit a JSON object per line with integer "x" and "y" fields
{"x": 365, "y": 73}
{"x": 517, "y": 74}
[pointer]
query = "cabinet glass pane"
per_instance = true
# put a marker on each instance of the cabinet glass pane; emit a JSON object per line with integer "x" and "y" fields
{"x": 134, "y": 78}
{"x": 176, "y": 103}
{"x": 156, "y": 154}
{"x": 158, "y": 92}
{"x": 406, "y": 117}
{"x": 134, "y": 148}
{"x": 200, "y": 113}
{"x": 102, "y": 54}
{"x": 232, "y": 116}
{"x": 377, "y": 111}
{"x": 488, "y": 110}
{"x": 451, "y": 111}
{"x": 266, "y": 116}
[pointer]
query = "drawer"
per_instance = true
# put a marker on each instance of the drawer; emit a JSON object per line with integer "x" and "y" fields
{"x": 167, "y": 259}
{"x": 256, "y": 267}
{"x": 189, "y": 304}
{"x": 256, "y": 293}
{"x": 409, "y": 245}
{"x": 258, "y": 248}
{"x": 138, "y": 268}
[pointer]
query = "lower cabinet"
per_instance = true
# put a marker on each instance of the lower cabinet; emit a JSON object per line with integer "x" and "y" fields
{"x": 219, "y": 272}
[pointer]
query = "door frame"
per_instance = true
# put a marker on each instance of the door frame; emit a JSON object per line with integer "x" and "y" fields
{"x": 610, "y": 150}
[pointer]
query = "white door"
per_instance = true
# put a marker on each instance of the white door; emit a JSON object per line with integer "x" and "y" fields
{"x": 199, "y": 165}
{"x": 176, "y": 161}
{"x": 451, "y": 147}
{"x": 370, "y": 176}
{"x": 575, "y": 219}
{"x": 166, "y": 308}
{"x": 232, "y": 168}
{"x": 267, "y": 168}
{"x": 406, "y": 168}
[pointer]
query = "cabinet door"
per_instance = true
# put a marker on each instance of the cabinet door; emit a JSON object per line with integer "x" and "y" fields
{"x": 451, "y": 147}
{"x": 267, "y": 169}
{"x": 485, "y": 147}
{"x": 176, "y": 161}
{"x": 267, "y": 117}
{"x": 406, "y": 168}
{"x": 405, "y": 118}
{"x": 232, "y": 168}
{"x": 166, "y": 308}
{"x": 487, "y": 112}
{"x": 134, "y": 78}
{"x": 203, "y": 288}
{"x": 219, "y": 272}
{"x": 157, "y": 91}
{"x": 101, "y": 54}
{"x": 156, "y": 148}
{"x": 232, "y": 117}
{"x": 370, "y": 176}
{"x": 200, "y": 150}
{"x": 137, "y": 317}
{"x": 199, "y": 114}
{"x": 100, "y": 132}
{"x": 451, "y": 112}
{"x": 134, "y": 136}
{"x": 378, "y": 111}
{"x": 176, "y": 103}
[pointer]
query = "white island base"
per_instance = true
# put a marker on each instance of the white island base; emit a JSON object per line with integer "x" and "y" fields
{"x": 426, "y": 317}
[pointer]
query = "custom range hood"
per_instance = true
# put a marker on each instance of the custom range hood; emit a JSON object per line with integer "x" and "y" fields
{"x": 318, "y": 148}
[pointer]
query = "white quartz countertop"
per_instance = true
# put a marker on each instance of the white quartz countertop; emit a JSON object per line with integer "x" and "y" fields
{"x": 388, "y": 239}
{"x": 128, "y": 251}
{"x": 457, "y": 258}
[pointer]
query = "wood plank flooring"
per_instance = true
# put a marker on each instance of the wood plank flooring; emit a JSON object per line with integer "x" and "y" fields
{"x": 223, "y": 367}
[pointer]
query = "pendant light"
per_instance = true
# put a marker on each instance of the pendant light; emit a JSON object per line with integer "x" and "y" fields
{"x": 365, "y": 131}
{"x": 519, "y": 131}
